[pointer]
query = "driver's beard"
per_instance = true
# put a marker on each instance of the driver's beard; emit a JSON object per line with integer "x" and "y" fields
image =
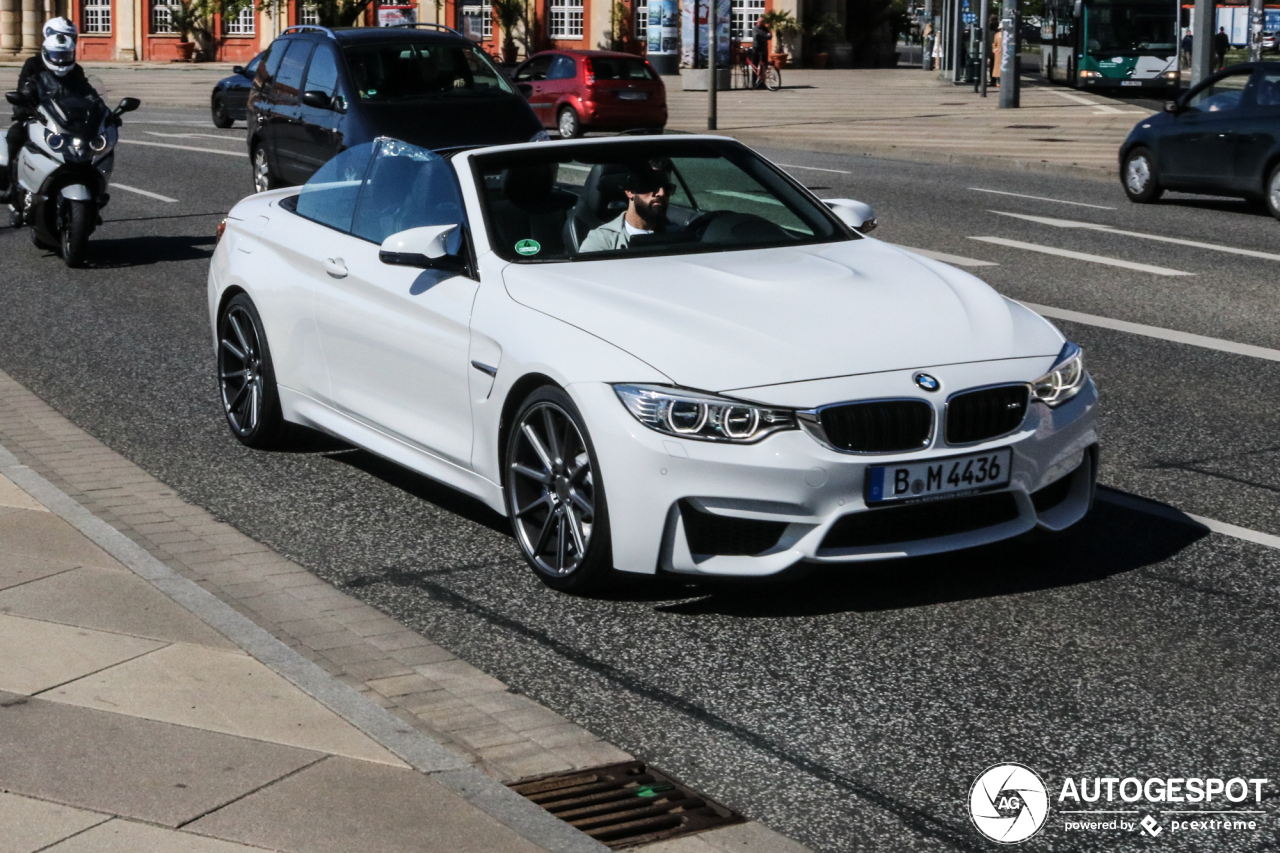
{"x": 653, "y": 214}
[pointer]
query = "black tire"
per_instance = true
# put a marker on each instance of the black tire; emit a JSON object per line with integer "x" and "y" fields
{"x": 1271, "y": 192}
{"x": 554, "y": 495}
{"x": 568, "y": 123}
{"x": 247, "y": 377}
{"x": 76, "y": 224}
{"x": 221, "y": 118}
{"x": 263, "y": 178}
{"x": 772, "y": 78}
{"x": 1139, "y": 177}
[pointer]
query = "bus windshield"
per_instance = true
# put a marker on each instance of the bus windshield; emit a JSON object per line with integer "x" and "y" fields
{"x": 1130, "y": 29}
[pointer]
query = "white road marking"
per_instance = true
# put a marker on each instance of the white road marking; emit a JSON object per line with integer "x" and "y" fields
{"x": 192, "y": 135}
{"x": 1152, "y": 508}
{"x": 1099, "y": 109}
{"x": 1067, "y": 223}
{"x": 813, "y": 168}
{"x": 184, "y": 147}
{"x": 1041, "y": 198}
{"x": 957, "y": 260}
{"x": 147, "y": 193}
{"x": 1081, "y": 256}
{"x": 1156, "y": 332}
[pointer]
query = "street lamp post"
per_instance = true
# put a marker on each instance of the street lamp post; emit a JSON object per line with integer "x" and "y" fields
{"x": 713, "y": 18}
{"x": 1257, "y": 19}
{"x": 984, "y": 54}
{"x": 1010, "y": 58}
{"x": 1202, "y": 40}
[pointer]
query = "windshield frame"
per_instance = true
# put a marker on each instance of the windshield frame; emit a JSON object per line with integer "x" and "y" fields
{"x": 655, "y": 147}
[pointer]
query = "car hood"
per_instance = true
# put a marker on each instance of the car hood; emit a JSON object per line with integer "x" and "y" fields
{"x": 745, "y": 319}
{"x": 449, "y": 122}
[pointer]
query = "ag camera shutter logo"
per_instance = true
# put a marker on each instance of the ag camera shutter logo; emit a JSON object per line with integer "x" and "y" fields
{"x": 1008, "y": 803}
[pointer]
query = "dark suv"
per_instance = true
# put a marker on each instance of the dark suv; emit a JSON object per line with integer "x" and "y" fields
{"x": 320, "y": 91}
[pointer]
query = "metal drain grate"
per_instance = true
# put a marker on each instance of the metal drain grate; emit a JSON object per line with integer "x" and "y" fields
{"x": 622, "y": 805}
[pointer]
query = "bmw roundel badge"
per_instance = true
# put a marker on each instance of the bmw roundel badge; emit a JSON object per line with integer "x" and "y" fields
{"x": 927, "y": 382}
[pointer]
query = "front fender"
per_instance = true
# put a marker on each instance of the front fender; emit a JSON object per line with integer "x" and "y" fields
{"x": 76, "y": 192}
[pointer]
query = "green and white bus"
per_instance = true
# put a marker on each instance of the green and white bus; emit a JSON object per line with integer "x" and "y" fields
{"x": 1105, "y": 44}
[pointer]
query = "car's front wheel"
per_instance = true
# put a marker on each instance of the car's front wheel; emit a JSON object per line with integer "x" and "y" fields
{"x": 1273, "y": 191}
{"x": 247, "y": 378}
{"x": 1139, "y": 177}
{"x": 554, "y": 494}
{"x": 568, "y": 124}
{"x": 221, "y": 118}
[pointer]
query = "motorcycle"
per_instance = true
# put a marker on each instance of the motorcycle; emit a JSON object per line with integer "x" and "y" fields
{"x": 63, "y": 169}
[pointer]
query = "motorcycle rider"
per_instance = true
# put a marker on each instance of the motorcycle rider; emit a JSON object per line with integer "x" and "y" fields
{"x": 55, "y": 75}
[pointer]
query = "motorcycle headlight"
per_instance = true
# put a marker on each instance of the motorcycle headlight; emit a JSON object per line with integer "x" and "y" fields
{"x": 99, "y": 145}
{"x": 55, "y": 141}
{"x": 690, "y": 414}
{"x": 1064, "y": 381}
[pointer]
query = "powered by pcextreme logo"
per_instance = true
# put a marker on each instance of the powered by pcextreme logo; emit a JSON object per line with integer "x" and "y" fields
{"x": 1008, "y": 803}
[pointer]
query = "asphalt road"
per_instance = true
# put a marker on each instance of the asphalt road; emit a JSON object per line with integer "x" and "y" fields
{"x": 852, "y": 710}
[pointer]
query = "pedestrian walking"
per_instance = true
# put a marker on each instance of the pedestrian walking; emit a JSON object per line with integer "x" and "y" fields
{"x": 997, "y": 56}
{"x": 1221, "y": 44}
{"x": 1187, "y": 44}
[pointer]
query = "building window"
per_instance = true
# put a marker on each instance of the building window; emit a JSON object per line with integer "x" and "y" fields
{"x": 161, "y": 20}
{"x": 566, "y": 19}
{"x": 97, "y": 16}
{"x": 476, "y": 21}
{"x": 309, "y": 15}
{"x": 745, "y": 15}
{"x": 240, "y": 24}
{"x": 642, "y": 21}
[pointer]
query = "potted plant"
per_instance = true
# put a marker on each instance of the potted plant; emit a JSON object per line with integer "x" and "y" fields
{"x": 509, "y": 13}
{"x": 823, "y": 29}
{"x": 182, "y": 19}
{"x": 785, "y": 28}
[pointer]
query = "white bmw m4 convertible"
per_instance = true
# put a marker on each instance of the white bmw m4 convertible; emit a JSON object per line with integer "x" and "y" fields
{"x": 651, "y": 354}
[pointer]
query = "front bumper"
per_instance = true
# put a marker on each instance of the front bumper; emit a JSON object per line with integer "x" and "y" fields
{"x": 656, "y": 486}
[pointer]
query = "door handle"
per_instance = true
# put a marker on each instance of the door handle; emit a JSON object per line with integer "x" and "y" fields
{"x": 335, "y": 267}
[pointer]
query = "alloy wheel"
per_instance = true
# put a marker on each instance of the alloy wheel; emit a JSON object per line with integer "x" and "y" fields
{"x": 240, "y": 370}
{"x": 568, "y": 123}
{"x": 1138, "y": 174}
{"x": 261, "y": 171}
{"x": 553, "y": 490}
{"x": 1273, "y": 191}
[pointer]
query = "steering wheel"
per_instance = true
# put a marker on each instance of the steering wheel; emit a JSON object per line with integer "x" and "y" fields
{"x": 698, "y": 225}
{"x": 730, "y": 228}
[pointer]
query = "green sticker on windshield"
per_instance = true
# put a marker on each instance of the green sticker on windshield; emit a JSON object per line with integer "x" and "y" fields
{"x": 528, "y": 247}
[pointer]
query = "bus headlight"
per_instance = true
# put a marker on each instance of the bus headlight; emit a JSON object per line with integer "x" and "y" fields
{"x": 1090, "y": 73}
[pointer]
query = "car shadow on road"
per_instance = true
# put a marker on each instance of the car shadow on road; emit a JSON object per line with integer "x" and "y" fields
{"x": 1222, "y": 205}
{"x": 150, "y": 249}
{"x": 1113, "y": 540}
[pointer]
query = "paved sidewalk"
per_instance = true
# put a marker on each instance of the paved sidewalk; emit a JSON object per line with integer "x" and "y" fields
{"x": 168, "y": 684}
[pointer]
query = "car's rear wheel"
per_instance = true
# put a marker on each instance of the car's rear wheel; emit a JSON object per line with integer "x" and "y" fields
{"x": 263, "y": 178}
{"x": 1139, "y": 177}
{"x": 1273, "y": 191}
{"x": 568, "y": 124}
{"x": 554, "y": 495}
{"x": 221, "y": 118}
{"x": 247, "y": 378}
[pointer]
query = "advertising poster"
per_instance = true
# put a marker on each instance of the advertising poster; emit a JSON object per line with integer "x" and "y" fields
{"x": 696, "y": 42}
{"x": 664, "y": 26}
{"x": 390, "y": 16}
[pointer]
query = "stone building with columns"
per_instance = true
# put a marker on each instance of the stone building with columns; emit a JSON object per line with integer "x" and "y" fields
{"x": 140, "y": 30}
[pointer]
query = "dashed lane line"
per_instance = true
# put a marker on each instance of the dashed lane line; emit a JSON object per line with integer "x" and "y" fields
{"x": 1041, "y": 198}
{"x": 957, "y": 260}
{"x": 1093, "y": 226}
{"x": 1161, "y": 510}
{"x": 146, "y": 193}
{"x": 225, "y": 138}
{"x": 1156, "y": 332}
{"x": 184, "y": 147}
{"x": 1081, "y": 256}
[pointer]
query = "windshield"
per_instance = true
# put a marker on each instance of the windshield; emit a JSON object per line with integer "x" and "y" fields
{"x": 414, "y": 70}
{"x": 76, "y": 115}
{"x": 1131, "y": 29}
{"x": 589, "y": 202}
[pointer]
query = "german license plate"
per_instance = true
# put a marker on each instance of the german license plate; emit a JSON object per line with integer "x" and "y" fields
{"x": 938, "y": 477}
{"x": 634, "y": 96}
{"x": 1130, "y": 82}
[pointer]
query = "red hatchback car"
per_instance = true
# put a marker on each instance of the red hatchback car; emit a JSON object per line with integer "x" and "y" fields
{"x": 575, "y": 91}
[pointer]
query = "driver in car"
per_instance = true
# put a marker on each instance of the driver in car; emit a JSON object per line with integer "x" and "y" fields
{"x": 53, "y": 73}
{"x": 648, "y": 190}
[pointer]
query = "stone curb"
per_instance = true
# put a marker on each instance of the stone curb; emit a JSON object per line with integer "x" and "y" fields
{"x": 419, "y": 751}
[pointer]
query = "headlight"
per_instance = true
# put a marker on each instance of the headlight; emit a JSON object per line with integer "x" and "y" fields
{"x": 1090, "y": 73}
{"x": 540, "y": 136}
{"x": 689, "y": 414}
{"x": 99, "y": 145}
{"x": 55, "y": 141}
{"x": 1064, "y": 381}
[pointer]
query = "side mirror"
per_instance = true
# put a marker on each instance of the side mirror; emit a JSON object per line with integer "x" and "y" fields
{"x": 238, "y": 69}
{"x": 525, "y": 89}
{"x": 317, "y": 99}
{"x": 15, "y": 98}
{"x": 128, "y": 105}
{"x": 1172, "y": 107}
{"x": 856, "y": 214}
{"x": 426, "y": 247}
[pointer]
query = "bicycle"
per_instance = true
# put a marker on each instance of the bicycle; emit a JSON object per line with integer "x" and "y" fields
{"x": 750, "y": 74}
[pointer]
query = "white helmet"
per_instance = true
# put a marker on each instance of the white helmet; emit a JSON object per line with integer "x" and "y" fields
{"x": 59, "y": 51}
